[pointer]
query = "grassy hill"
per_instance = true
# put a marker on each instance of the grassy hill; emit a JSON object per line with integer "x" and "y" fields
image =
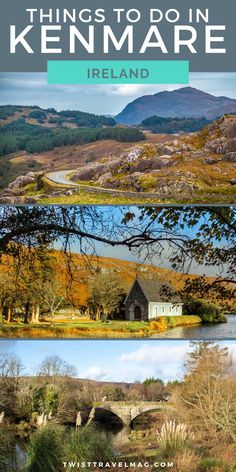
{"x": 50, "y": 118}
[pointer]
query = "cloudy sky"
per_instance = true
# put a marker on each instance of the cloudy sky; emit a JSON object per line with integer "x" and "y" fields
{"x": 110, "y": 360}
{"x": 32, "y": 89}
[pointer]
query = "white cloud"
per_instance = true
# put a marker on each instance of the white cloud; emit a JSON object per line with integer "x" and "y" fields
{"x": 163, "y": 353}
{"x": 95, "y": 373}
{"x": 128, "y": 89}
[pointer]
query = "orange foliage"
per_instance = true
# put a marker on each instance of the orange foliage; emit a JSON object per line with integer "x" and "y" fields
{"x": 76, "y": 288}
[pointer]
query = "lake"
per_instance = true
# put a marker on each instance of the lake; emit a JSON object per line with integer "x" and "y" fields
{"x": 204, "y": 331}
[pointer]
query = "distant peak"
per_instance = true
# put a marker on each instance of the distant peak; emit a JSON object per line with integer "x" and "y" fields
{"x": 189, "y": 90}
{"x": 182, "y": 91}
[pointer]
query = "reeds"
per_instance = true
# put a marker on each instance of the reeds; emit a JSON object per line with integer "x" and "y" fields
{"x": 173, "y": 437}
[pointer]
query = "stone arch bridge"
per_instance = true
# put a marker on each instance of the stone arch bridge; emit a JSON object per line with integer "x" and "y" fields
{"x": 128, "y": 411}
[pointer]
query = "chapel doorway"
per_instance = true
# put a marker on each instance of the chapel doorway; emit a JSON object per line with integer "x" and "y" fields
{"x": 137, "y": 313}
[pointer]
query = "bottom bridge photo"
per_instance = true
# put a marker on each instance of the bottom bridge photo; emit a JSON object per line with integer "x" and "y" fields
{"x": 117, "y": 405}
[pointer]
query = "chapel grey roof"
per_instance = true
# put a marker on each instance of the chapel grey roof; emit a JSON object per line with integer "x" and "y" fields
{"x": 152, "y": 290}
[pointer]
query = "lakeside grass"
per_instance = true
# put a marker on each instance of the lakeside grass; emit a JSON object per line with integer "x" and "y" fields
{"x": 86, "y": 328}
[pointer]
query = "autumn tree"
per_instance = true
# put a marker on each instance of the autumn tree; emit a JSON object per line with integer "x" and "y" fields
{"x": 53, "y": 296}
{"x": 37, "y": 276}
{"x": 31, "y": 284}
{"x": 113, "y": 393}
{"x": 154, "y": 389}
{"x": 7, "y": 293}
{"x": 207, "y": 396}
{"x": 106, "y": 293}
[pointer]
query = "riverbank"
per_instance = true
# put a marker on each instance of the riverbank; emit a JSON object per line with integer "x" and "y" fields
{"x": 204, "y": 331}
{"x": 88, "y": 329}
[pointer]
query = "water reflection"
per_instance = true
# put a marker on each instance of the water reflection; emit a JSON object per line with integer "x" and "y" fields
{"x": 206, "y": 331}
{"x": 21, "y": 455}
{"x": 122, "y": 437}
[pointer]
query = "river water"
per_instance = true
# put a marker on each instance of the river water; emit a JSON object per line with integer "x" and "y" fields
{"x": 204, "y": 331}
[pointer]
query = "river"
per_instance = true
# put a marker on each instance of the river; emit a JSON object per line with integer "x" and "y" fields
{"x": 204, "y": 331}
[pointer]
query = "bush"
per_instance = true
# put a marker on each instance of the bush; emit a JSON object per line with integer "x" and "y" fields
{"x": 7, "y": 451}
{"x": 214, "y": 318}
{"x": 89, "y": 443}
{"x": 38, "y": 115}
{"x": 159, "y": 325}
{"x": 45, "y": 452}
{"x": 208, "y": 312}
{"x": 162, "y": 323}
{"x": 214, "y": 464}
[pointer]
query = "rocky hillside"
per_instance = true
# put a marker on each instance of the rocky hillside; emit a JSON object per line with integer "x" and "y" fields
{"x": 201, "y": 162}
{"x": 199, "y": 166}
{"x": 182, "y": 103}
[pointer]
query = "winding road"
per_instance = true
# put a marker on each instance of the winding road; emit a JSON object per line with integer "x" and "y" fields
{"x": 60, "y": 177}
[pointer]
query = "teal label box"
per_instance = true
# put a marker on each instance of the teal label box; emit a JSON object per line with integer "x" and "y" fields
{"x": 118, "y": 72}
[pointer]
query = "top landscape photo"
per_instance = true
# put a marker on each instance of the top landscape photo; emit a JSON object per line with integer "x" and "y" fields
{"x": 118, "y": 144}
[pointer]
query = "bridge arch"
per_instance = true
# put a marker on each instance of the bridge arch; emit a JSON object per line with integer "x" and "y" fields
{"x": 148, "y": 410}
{"x": 105, "y": 414}
{"x": 128, "y": 411}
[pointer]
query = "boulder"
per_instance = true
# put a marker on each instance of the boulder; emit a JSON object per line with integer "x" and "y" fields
{"x": 134, "y": 154}
{"x": 9, "y": 192}
{"x": 104, "y": 178}
{"x": 7, "y": 200}
{"x": 210, "y": 160}
{"x": 218, "y": 146}
{"x": 230, "y": 157}
{"x": 23, "y": 180}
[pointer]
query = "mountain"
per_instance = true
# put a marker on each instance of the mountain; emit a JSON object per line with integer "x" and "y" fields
{"x": 182, "y": 103}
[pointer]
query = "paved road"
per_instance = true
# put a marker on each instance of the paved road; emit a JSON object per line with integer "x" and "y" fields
{"x": 61, "y": 177}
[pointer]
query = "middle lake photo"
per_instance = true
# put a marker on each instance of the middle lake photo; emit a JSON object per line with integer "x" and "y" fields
{"x": 117, "y": 272}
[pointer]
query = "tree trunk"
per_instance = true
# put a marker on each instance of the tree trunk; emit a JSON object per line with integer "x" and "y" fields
{"x": 98, "y": 314}
{"x": 26, "y": 318}
{"x": 33, "y": 314}
{"x": 37, "y": 313}
{"x": 51, "y": 317}
{"x": 1, "y": 315}
{"x": 9, "y": 314}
